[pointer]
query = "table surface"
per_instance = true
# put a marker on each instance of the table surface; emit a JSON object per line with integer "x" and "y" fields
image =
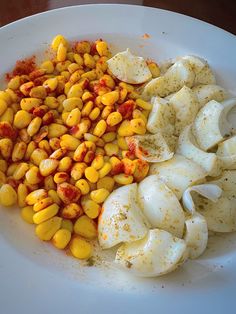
{"x": 221, "y": 13}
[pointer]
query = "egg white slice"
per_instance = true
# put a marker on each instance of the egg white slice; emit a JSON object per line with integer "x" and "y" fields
{"x": 186, "y": 106}
{"x": 210, "y": 191}
{"x": 205, "y": 76}
{"x": 211, "y": 125}
{"x": 129, "y": 68}
{"x": 161, "y": 206}
{"x": 121, "y": 219}
{"x": 226, "y": 152}
{"x": 205, "y": 93}
{"x": 220, "y": 216}
{"x": 196, "y": 235}
{"x": 155, "y": 255}
{"x": 150, "y": 147}
{"x": 179, "y": 173}
{"x": 178, "y": 75}
{"x": 188, "y": 147}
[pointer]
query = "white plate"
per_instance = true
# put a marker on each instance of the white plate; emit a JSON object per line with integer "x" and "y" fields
{"x": 36, "y": 278}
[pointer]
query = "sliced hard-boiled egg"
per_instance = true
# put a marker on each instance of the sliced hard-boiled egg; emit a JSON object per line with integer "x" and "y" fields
{"x": 178, "y": 75}
{"x": 196, "y": 63}
{"x": 186, "y": 106}
{"x": 129, "y": 68}
{"x": 196, "y": 235}
{"x": 150, "y": 147}
{"x": 121, "y": 219}
{"x": 205, "y": 76}
{"x": 211, "y": 125}
{"x": 161, "y": 206}
{"x": 221, "y": 215}
{"x": 205, "y": 93}
{"x": 179, "y": 173}
{"x": 157, "y": 254}
{"x": 207, "y": 190}
{"x": 226, "y": 152}
{"x": 188, "y": 147}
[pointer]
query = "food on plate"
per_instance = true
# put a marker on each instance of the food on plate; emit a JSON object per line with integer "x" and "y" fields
{"x": 119, "y": 151}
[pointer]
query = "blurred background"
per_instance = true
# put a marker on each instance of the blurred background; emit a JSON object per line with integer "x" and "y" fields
{"x": 221, "y": 13}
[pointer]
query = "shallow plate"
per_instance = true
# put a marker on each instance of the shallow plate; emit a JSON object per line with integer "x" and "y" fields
{"x": 36, "y": 278}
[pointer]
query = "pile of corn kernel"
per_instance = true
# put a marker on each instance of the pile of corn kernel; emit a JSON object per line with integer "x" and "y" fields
{"x": 62, "y": 142}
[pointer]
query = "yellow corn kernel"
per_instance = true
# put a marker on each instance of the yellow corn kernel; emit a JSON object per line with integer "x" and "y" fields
{"x": 122, "y": 95}
{"x": 71, "y": 211}
{"x": 141, "y": 169}
{"x": 67, "y": 224}
{"x": 60, "y": 177}
{"x": 111, "y": 149}
{"x": 91, "y": 208}
{"x": 91, "y": 174}
{"x": 11, "y": 169}
{"x": 20, "y": 171}
{"x": 15, "y": 107}
{"x": 47, "y": 66}
{"x": 51, "y": 102}
{"x": 13, "y": 95}
{"x": 38, "y": 155}
{"x": 90, "y": 137}
{"x": 53, "y": 194}
{"x": 94, "y": 114}
{"x": 57, "y": 40}
{"x": 127, "y": 86}
{"x": 46, "y": 230}
{"x": 78, "y": 170}
{"x": 138, "y": 126}
{"x": 154, "y": 69}
{"x": 72, "y": 103}
{"x": 123, "y": 179}
{"x": 106, "y": 111}
{"x": 73, "y": 118}
{"x": 87, "y": 96}
{"x": 80, "y": 152}
{"x": 99, "y": 196}
{"x": 82, "y": 128}
{"x": 108, "y": 81}
{"x": 56, "y": 130}
{"x": 22, "y": 119}
{"x": 102, "y": 48}
{"x": 109, "y": 137}
{"x": 22, "y": 192}
{"x": 34, "y": 126}
{"x": 89, "y": 61}
{"x": 45, "y": 214}
{"x": 80, "y": 248}
{"x": 83, "y": 46}
{"x": 28, "y": 104}
{"x": 50, "y": 84}
{"x": 98, "y": 162}
{"x": 75, "y": 77}
{"x": 100, "y": 128}
{"x": 27, "y": 214}
{"x": 14, "y": 83}
{"x": 6, "y": 146}
{"x": 3, "y": 165}
{"x": 8, "y": 196}
{"x": 54, "y": 143}
{"x": 3, "y": 106}
{"x": 38, "y": 92}
{"x": 110, "y": 98}
{"x": 62, "y": 66}
{"x": 69, "y": 142}
{"x": 64, "y": 116}
{"x": 36, "y": 196}
{"x": 48, "y": 166}
{"x": 83, "y": 185}
{"x": 125, "y": 129}
{"x": 87, "y": 109}
{"x": 134, "y": 95}
{"x": 49, "y": 183}
{"x": 8, "y": 116}
{"x": 61, "y": 52}
{"x": 25, "y": 88}
{"x": 24, "y": 136}
{"x": 129, "y": 166}
{"x": 73, "y": 67}
{"x": 106, "y": 183}
{"x": 104, "y": 170}
{"x": 137, "y": 114}
{"x": 18, "y": 151}
{"x": 114, "y": 118}
{"x": 33, "y": 175}
{"x": 65, "y": 164}
{"x": 85, "y": 227}
{"x": 58, "y": 153}
{"x": 122, "y": 143}
{"x": 67, "y": 87}
{"x": 90, "y": 75}
{"x": 2, "y": 178}
{"x": 143, "y": 104}
{"x": 88, "y": 158}
{"x": 61, "y": 238}
{"x": 78, "y": 59}
{"x": 60, "y": 99}
{"x": 45, "y": 202}
{"x": 75, "y": 91}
